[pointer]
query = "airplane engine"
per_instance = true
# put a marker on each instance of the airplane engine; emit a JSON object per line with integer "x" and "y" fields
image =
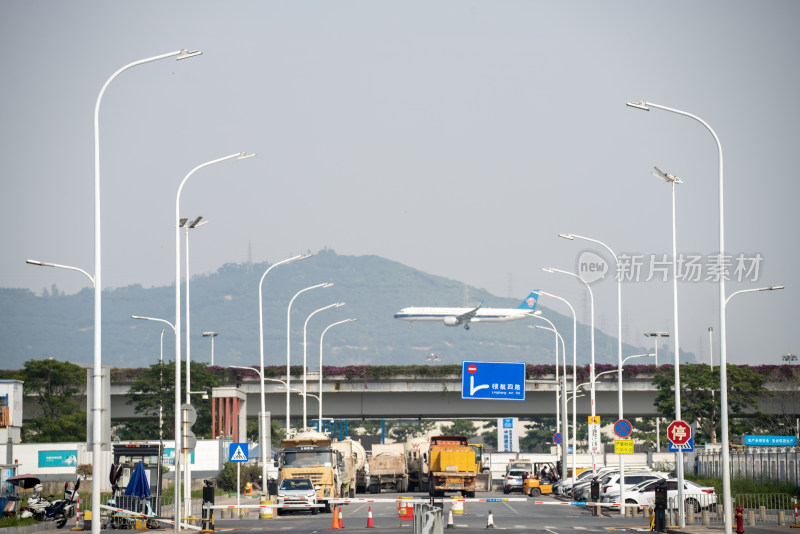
{"x": 451, "y": 321}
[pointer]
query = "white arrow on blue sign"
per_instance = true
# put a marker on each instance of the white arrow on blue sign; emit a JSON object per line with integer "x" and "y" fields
{"x": 493, "y": 380}
{"x": 239, "y": 452}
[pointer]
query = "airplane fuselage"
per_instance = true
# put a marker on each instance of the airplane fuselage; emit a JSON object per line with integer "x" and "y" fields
{"x": 487, "y": 315}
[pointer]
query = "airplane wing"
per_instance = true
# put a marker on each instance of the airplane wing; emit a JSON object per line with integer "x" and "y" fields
{"x": 467, "y": 316}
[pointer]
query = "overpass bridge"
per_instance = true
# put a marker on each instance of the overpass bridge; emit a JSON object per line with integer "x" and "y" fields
{"x": 411, "y": 397}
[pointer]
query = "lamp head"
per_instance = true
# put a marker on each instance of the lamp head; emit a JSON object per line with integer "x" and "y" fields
{"x": 547, "y": 269}
{"x": 245, "y": 155}
{"x": 212, "y": 334}
{"x": 773, "y": 288}
{"x": 566, "y": 236}
{"x": 327, "y": 284}
{"x": 666, "y": 176}
{"x": 195, "y": 223}
{"x": 34, "y": 262}
{"x": 639, "y": 105}
{"x": 186, "y": 54}
{"x": 138, "y": 317}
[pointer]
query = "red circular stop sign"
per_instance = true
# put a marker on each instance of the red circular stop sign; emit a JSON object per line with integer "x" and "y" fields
{"x": 679, "y": 432}
{"x": 472, "y": 368}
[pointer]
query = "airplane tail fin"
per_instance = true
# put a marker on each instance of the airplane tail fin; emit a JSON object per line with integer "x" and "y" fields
{"x": 530, "y": 301}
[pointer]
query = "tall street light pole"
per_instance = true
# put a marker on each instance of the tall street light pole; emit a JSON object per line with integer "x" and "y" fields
{"x": 619, "y": 352}
{"x": 212, "y": 335}
{"x": 673, "y": 180}
{"x": 263, "y": 421}
{"x": 289, "y": 349}
{"x": 658, "y": 429}
{"x": 179, "y": 445}
{"x": 186, "y": 224}
{"x": 726, "y": 476}
{"x": 305, "y": 364}
{"x": 97, "y": 382}
{"x": 574, "y": 377}
{"x": 593, "y": 438}
{"x": 321, "y": 337}
{"x": 160, "y": 388}
{"x": 561, "y": 396}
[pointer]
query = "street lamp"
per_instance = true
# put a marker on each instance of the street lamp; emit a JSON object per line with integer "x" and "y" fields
{"x": 726, "y": 477}
{"x": 658, "y": 429}
{"x": 321, "y": 337}
{"x": 557, "y": 337}
{"x": 289, "y": 348}
{"x": 264, "y": 424}
{"x": 178, "y": 442}
{"x": 186, "y": 224}
{"x": 619, "y": 350}
{"x": 98, "y": 292}
{"x": 593, "y": 434}
{"x": 46, "y": 264}
{"x": 574, "y": 376}
{"x": 305, "y": 366}
{"x": 212, "y": 335}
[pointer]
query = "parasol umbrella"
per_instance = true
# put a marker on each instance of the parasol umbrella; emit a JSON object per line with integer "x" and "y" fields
{"x": 23, "y": 481}
{"x": 138, "y": 485}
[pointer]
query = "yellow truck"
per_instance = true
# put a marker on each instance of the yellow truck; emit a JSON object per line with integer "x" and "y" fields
{"x": 451, "y": 466}
{"x": 310, "y": 455}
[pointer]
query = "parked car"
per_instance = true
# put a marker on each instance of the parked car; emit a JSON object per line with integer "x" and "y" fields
{"x": 610, "y": 484}
{"x": 613, "y": 495}
{"x": 514, "y": 481}
{"x": 694, "y": 495}
{"x": 297, "y": 491}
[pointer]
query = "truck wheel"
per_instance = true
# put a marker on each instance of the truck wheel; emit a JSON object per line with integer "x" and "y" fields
{"x": 535, "y": 492}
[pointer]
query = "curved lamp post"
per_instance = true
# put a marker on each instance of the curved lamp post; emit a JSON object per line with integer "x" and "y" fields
{"x": 305, "y": 365}
{"x": 289, "y": 348}
{"x": 619, "y": 351}
{"x": 574, "y": 375}
{"x": 179, "y": 445}
{"x": 98, "y": 291}
{"x": 592, "y": 442}
{"x": 321, "y": 337}
{"x": 264, "y": 424}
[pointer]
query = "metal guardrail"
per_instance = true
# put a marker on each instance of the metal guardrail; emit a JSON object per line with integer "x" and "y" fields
{"x": 760, "y": 508}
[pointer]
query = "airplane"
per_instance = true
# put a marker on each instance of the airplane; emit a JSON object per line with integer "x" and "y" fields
{"x": 459, "y": 316}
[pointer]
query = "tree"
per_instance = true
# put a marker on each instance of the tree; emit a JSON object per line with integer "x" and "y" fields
{"x": 407, "y": 431}
{"x": 461, "y": 427}
{"x": 700, "y": 396}
{"x": 156, "y": 388}
{"x": 58, "y": 390}
{"x": 540, "y": 434}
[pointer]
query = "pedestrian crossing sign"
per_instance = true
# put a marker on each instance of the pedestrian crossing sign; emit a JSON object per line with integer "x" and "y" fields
{"x": 239, "y": 452}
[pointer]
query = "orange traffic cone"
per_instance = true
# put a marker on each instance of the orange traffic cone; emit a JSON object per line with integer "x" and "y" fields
{"x": 341, "y": 521}
{"x": 335, "y": 524}
{"x": 369, "y": 518}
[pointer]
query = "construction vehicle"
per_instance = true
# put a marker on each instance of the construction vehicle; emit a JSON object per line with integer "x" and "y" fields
{"x": 415, "y": 449}
{"x": 388, "y": 468}
{"x": 483, "y": 477}
{"x": 310, "y": 455}
{"x": 451, "y": 466}
{"x": 541, "y": 479}
{"x": 353, "y": 456}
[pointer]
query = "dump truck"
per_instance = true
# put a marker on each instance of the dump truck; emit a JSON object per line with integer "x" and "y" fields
{"x": 353, "y": 457}
{"x": 416, "y": 449}
{"x": 388, "y": 468}
{"x": 310, "y": 455}
{"x": 483, "y": 477}
{"x": 451, "y": 466}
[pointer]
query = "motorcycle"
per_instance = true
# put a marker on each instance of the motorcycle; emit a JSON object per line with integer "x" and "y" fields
{"x": 42, "y": 509}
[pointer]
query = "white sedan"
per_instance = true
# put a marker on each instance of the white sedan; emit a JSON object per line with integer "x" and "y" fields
{"x": 694, "y": 495}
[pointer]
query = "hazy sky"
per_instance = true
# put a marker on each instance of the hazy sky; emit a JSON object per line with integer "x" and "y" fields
{"x": 456, "y": 137}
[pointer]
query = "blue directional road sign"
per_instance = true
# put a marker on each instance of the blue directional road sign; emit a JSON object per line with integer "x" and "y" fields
{"x": 239, "y": 452}
{"x": 493, "y": 380}
{"x": 623, "y": 428}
